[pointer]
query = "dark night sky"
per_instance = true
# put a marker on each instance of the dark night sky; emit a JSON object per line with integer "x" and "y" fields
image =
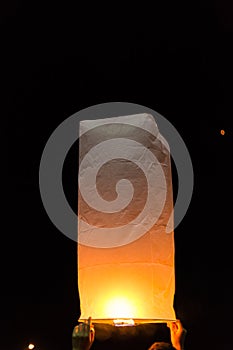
{"x": 177, "y": 60}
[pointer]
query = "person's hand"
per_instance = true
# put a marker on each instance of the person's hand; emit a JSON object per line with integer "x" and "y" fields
{"x": 178, "y": 333}
{"x": 83, "y": 336}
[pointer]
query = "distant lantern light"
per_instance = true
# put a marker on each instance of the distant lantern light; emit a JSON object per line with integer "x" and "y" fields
{"x": 125, "y": 255}
{"x": 31, "y": 346}
{"x": 222, "y": 132}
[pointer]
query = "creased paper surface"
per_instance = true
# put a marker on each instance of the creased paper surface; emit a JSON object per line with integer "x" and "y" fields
{"x": 125, "y": 205}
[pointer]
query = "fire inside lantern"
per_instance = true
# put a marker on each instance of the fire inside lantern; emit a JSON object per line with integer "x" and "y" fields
{"x": 125, "y": 222}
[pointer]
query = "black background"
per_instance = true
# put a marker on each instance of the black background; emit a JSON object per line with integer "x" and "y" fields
{"x": 174, "y": 58}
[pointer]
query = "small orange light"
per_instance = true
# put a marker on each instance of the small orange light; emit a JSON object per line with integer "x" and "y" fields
{"x": 31, "y": 346}
{"x": 222, "y": 132}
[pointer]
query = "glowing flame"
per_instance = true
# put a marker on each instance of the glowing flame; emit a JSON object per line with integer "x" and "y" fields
{"x": 122, "y": 322}
{"x": 120, "y": 308}
{"x": 222, "y": 132}
{"x": 31, "y": 346}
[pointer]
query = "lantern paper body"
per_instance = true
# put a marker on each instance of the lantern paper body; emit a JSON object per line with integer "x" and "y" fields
{"x": 125, "y": 221}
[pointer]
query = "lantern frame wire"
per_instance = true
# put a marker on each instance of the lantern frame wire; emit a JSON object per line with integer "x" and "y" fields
{"x": 126, "y": 321}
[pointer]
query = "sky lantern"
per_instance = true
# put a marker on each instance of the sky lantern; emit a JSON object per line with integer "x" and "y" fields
{"x": 125, "y": 222}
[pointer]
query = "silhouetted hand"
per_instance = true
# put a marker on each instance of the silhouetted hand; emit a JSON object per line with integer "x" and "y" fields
{"x": 83, "y": 336}
{"x": 178, "y": 333}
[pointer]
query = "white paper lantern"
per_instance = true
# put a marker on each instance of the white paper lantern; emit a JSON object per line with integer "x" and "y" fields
{"x": 125, "y": 221}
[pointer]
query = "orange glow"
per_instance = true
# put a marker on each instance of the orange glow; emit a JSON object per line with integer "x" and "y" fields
{"x": 222, "y": 132}
{"x": 119, "y": 308}
{"x": 31, "y": 346}
{"x": 125, "y": 291}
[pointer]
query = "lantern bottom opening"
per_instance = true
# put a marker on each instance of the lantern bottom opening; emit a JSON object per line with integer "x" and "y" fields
{"x": 128, "y": 321}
